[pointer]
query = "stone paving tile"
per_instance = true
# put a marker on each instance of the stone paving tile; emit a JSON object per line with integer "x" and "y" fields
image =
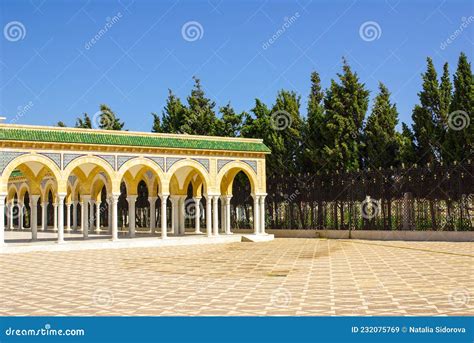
{"x": 302, "y": 277}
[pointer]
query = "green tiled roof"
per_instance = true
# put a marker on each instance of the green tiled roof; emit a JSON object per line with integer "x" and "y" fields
{"x": 16, "y": 173}
{"x": 81, "y": 137}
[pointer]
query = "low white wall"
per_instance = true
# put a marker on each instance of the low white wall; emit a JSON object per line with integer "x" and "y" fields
{"x": 448, "y": 236}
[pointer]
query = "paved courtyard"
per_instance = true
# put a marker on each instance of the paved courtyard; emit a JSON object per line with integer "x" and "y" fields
{"x": 282, "y": 277}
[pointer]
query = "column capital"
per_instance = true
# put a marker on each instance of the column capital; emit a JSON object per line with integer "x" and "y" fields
{"x": 164, "y": 196}
{"x": 114, "y": 197}
{"x": 152, "y": 198}
{"x": 132, "y": 197}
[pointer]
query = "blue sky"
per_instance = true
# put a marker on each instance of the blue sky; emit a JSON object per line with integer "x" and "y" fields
{"x": 53, "y": 70}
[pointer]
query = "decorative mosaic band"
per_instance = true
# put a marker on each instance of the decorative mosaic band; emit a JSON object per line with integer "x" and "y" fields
{"x": 110, "y": 159}
{"x": 203, "y": 161}
{"x": 8, "y": 156}
{"x": 172, "y": 160}
{"x": 252, "y": 164}
{"x": 68, "y": 158}
{"x": 222, "y": 163}
{"x": 121, "y": 160}
{"x": 56, "y": 158}
{"x": 158, "y": 160}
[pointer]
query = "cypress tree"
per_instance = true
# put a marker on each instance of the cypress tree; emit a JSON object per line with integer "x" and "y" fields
{"x": 156, "y": 123}
{"x": 313, "y": 136}
{"x": 174, "y": 114}
{"x": 84, "y": 122}
{"x": 381, "y": 143}
{"x": 230, "y": 123}
{"x": 345, "y": 105}
{"x": 460, "y": 128}
{"x": 426, "y": 117}
{"x": 200, "y": 116}
{"x": 108, "y": 119}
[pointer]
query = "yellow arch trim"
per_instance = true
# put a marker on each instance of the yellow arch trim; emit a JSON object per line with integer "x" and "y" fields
{"x": 226, "y": 175}
{"x": 111, "y": 175}
{"x": 146, "y": 164}
{"x": 16, "y": 162}
{"x": 198, "y": 167}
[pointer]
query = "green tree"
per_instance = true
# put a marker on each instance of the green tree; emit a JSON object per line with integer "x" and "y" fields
{"x": 200, "y": 115}
{"x": 108, "y": 120}
{"x": 174, "y": 115}
{"x": 230, "y": 123}
{"x": 406, "y": 141}
{"x": 460, "y": 132}
{"x": 345, "y": 105}
{"x": 287, "y": 124}
{"x": 427, "y": 117}
{"x": 312, "y": 132}
{"x": 84, "y": 122}
{"x": 156, "y": 123}
{"x": 380, "y": 138}
{"x": 61, "y": 124}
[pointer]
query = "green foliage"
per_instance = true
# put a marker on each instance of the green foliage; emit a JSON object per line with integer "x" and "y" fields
{"x": 84, "y": 122}
{"x": 200, "y": 118}
{"x": 61, "y": 124}
{"x": 108, "y": 119}
{"x": 381, "y": 144}
{"x": 174, "y": 115}
{"x": 313, "y": 129}
{"x": 345, "y": 103}
{"x": 230, "y": 123}
{"x": 460, "y": 127}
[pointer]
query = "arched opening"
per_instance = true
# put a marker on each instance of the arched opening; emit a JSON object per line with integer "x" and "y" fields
{"x": 88, "y": 211}
{"x": 139, "y": 204}
{"x": 241, "y": 202}
{"x": 241, "y": 206}
{"x": 28, "y": 178}
{"x": 187, "y": 186}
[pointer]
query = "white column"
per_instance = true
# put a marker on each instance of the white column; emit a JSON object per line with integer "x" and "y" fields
{"x": 68, "y": 216}
{"x": 223, "y": 213}
{"x": 7, "y": 213}
{"x": 164, "y": 227}
{"x": 209, "y": 215}
{"x": 182, "y": 215}
{"x": 85, "y": 215}
{"x": 12, "y": 207}
{"x": 197, "y": 214}
{"x": 215, "y": 213}
{"x": 131, "y": 214}
{"x": 20, "y": 216}
{"x": 256, "y": 214}
{"x": 34, "y": 216}
{"x": 74, "y": 214}
{"x": 61, "y": 197}
{"x": 227, "y": 214}
{"x": 174, "y": 223}
{"x": 97, "y": 216}
{"x": 2, "y": 216}
{"x": 44, "y": 216}
{"x": 262, "y": 214}
{"x": 55, "y": 226}
{"x": 152, "y": 201}
{"x": 114, "y": 215}
{"x": 109, "y": 216}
